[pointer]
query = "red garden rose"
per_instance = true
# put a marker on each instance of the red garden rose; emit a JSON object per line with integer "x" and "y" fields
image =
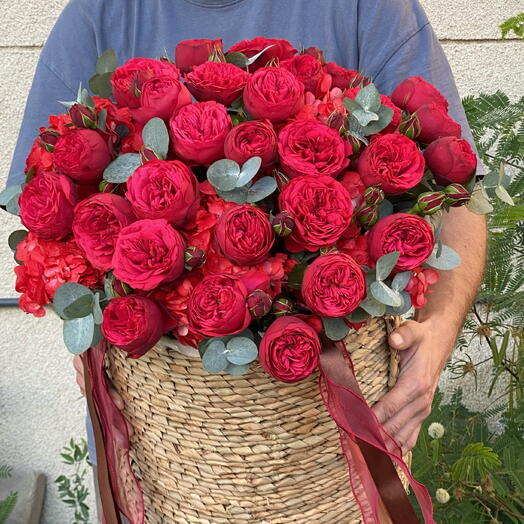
{"x": 98, "y": 220}
{"x": 81, "y": 154}
{"x": 252, "y": 138}
{"x": 244, "y": 235}
{"x": 46, "y": 205}
{"x": 148, "y": 253}
{"x": 133, "y": 323}
{"x": 393, "y": 162}
{"x": 199, "y": 131}
{"x": 321, "y": 208}
{"x": 414, "y": 92}
{"x": 289, "y": 350}
{"x": 273, "y": 93}
{"x": 333, "y": 285}
{"x": 218, "y": 81}
{"x": 409, "y": 234}
{"x": 435, "y": 122}
{"x": 451, "y": 159}
{"x": 308, "y": 147}
{"x": 344, "y": 78}
{"x": 218, "y": 306}
{"x": 280, "y": 50}
{"x": 164, "y": 189}
{"x": 418, "y": 285}
{"x": 128, "y": 79}
{"x": 307, "y": 69}
{"x": 190, "y": 53}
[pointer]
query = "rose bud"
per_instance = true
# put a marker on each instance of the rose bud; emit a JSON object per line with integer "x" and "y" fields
{"x": 262, "y": 101}
{"x": 148, "y": 253}
{"x": 259, "y": 303}
{"x": 338, "y": 121}
{"x": 133, "y": 323}
{"x": 244, "y": 235}
{"x": 289, "y": 350}
{"x": 456, "y": 195}
{"x": 199, "y": 131}
{"x": 333, "y": 285}
{"x": 415, "y": 92}
{"x": 194, "y": 257}
{"x": 190, "y": 53}
{"x": 48, "y": 139}
{"x": 435, "y": 123}
{"x": 147, "y": 155}
{"x": 374, "y": 196}
{"x": 217, "y": 306}
{"x": 393, "y": 162}
{"x": 82, "y": 154}
{"x": 283, "y": 224}
{"x": 46, "y": 205}
{"x": 316, "y": 53}
{"x": 410, "y": 126}
{"x": 344, "y": 78}
{"x": 83, "y": 116}
{"x": 279, "y": 50}
{"x": 283, "y": 306}
{"x": 409, "y": 234}
{"x": 306, "y": 68}
{"x": 367, "y": 215}
{"x": 429, "y": 203}
{"x": 451, "y": 159}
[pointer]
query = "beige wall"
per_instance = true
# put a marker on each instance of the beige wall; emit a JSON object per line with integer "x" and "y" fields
{"x": 39, "y": 404}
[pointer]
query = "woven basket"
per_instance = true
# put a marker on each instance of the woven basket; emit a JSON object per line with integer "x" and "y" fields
{"x": 222, "y": 449}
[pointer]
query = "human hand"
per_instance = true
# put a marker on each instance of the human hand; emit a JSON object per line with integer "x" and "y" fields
{"x": 424, "y": 350}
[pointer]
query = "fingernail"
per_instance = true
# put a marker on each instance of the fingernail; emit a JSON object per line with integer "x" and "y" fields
{"x": 396, "y": 339}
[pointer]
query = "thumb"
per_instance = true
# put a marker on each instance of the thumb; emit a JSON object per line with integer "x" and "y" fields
{"x": 406, "y": 336}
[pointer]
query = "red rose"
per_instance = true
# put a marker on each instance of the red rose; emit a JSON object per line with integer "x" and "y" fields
{"x": 393, "y": 162}
{"x": 218, "y": 306}
{"x": 46, "y": 205}
{"x": 333, "y": 285}
{"x": 133, "y": 323}
{"x": 218, "y": 81}
{"x": 414, "y": 92}
{"x": 279, "y": 50}
{"x": 273, "y": 93}
{"x": 418, "y": 285}
{"x": 307, "y": 147}
{"x": 356, "y": 248}
{"x": 190, "y": 53}
{"x": 148, "y": 253}
{"x": 252, "y": 138}
{"x": 199, "y": 131}
{"x": 354, "y": 186}
{"x": 344, "y": 78}
{"x": 434, "y": 123}
{"x": 128, "y": 79}
{"x": 96, "y": 225}
{"x": 244, "y": 235}
{"x": 451, "y": 159}
{"x": 409, "y": 234}
{"x": 39, "y": 160}
{"x": 164, "y": 189}
{"x": 322, "y": 211}
{"x": 306, "y": 68}
{"x": 289, "y": 350}
{"x": 82, "y": 154}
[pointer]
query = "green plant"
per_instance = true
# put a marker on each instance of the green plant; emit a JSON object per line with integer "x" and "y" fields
{"x": 8, "y": 504}
{"x": 515, "y": 24}
{"x": 71, "y": 489}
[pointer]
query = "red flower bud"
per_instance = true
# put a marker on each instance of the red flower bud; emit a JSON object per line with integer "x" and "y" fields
{"x": 283, "y": 224}
{"x": 146, "y": 155}
{"x": 259, "y": 303}
{"x": 429, "y": 203}
{"x": 48, "y": 139}
{"x": 83, "y": 116}
{"x": 374, "y": 195}
{"x": 367, "y": 215}
{"x": 194, "y": 257}
{"x": 410, "y": 126}
{"x": 337, "y": 121}
{"x": 456, "y": 195}
{"x": 282, "y": 306}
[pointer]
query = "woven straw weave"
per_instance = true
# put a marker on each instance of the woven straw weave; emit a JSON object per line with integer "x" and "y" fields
{"x": 219, "y": 449}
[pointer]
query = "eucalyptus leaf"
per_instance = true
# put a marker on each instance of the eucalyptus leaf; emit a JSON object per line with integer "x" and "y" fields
{"x": 238, "y": 59}
{"x": 369, "y": 98}
{"x": 359, "y": 315}
{"x": 15, "y": 238}
{"x": 247, "y": 333}
{"x": 261, "y": 189}
{"x": 236, "y": 370}
{"x": 97, "y": 335}
{"x": 502, "y": 193}
{"x": 67, "y": 294}
{"x": 81, "y": 307}
{"x": 202, "y": 346}
{"x": 122, "y": 168}
{"x": 98, "y": 314}
{"x": 156, "y": 136}
{"x": 223, "y": 174}
{"x": 386, "y": 263}
{"x": 107, "y": 62}
{"x": 385, "y": 209}
{"x": 385, "y": 115}
{"x": 249, "y": 169}
{"x": 101, "y": 85}
{"x": 241, "y": 350}
{"x": 13, "y": 207}
{"x": 384, "y": 294}
{"x": 9, "y": 193}
{"x": 479, "y": 202}
{"x": 448, "y": 259}
{"x": 373, "y": 307}
{"x": 351, "y": 104}
{"x": 296, "y": 275}
{"x": 364, "y": 117}
{"x": 403, "y": 308}
{"x": 238, "y": 195}
{"x": 79, "y": 334}
{"x": 400, "y": 281}
{"x": 214, "y": 359}
{"x": 335, "y": 328}
{"x": 101, "y": 122}
{"x": 86, "y": 99}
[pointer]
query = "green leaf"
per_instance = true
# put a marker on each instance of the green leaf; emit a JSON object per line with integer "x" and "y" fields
{"x": 102, "y": 120}
{"x": 502, "y": 193}
{"x": 384, "y": 294}
{"x": 98, "y": 315}
{"x": 249, "y": 169}
{"x": 107, "y": 62}
{"x": 400, "y": 281}
{"x": 223, "y": 174}
{"x": 81, "y": 307}
{"x": 475, "y": 462}
{"x": 67, "y": 294}
{"x": 235, "y": 370}
{"x": 238, "y": 195}
{"x": 214, "y": 359}
{"x": 241, "y": 350}
{"x": 373, "y": 307}
{"x": 156, "y": 136}
{"x": 386, "y": 263}
{"x": 238, "y": 59}
{"x": 448, "y": 259}
{"x": 296, "y": 275}
{"x": 85, "y": 99}
{"x": 122, "y": 168}
{"x": 97, "y": 335}
{"x": 7, "y": 506}
{"x": 13, "y": 207}
{"x": 351, "y": 104}
{"x": 364, "y": 117}
{"x": 403, "y": 308}
{"x": 369, "y": 98}
{"x": 79, "y": 334}
{"x": 15, "y": 238}
{"x": 385, "y": 209}
{"x": 335, "y": 328}
{"x": 261, "y": 189}
{"x": 479, "y": 202}
{"x": 101, "y": 85}
{"x": 385, "y": 115}
{"x": 9, "y": 193}
{"x": 359, "y": 315}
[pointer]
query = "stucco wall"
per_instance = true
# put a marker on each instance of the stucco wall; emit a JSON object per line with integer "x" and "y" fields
{"x": 40, "y": 407}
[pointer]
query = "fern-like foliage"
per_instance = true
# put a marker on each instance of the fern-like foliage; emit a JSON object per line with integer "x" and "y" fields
{"x": 475, "y": 462}
{"x": 514, "y": 24}
{"x": 7, "y": 505}
{"x": 5, "y": 471}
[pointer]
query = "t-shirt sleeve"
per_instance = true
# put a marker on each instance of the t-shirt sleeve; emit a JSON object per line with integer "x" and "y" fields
{"x": 68, "y": 58}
